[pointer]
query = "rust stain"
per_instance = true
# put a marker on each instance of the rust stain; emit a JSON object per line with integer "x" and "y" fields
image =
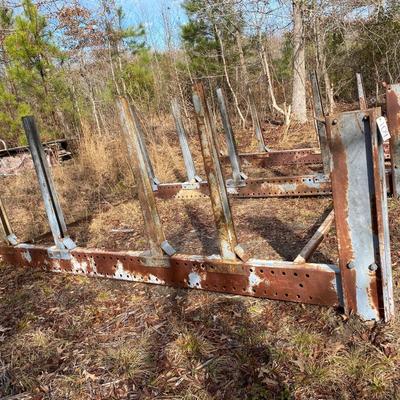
{"x": 340, "y": 187}
{"x": 305, "y": 283}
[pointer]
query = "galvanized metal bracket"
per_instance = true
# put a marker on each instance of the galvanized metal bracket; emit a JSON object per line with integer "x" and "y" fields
{"x": 359, "y": 194}
{"x": 6, "y": 233}
{"x": 187, "y": 155}
{"x": 55, "y": 216}
{"x": 237, "y": 175}
{"x": 143, "y": 148}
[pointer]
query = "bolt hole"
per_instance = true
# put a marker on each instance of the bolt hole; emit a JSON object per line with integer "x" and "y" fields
{"x": 301, "y": 285}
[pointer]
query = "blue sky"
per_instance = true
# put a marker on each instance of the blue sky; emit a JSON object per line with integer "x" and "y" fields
{"x": 149, "y": 13}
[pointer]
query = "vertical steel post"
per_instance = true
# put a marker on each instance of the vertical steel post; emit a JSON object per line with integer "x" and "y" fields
{"x": 53, "y": 209}
{"x": 361, "y": 92}
{"x": 256, "y": 122}
{"x": 319, "y": 116}
{"x": 187, "y": 155}
{"x": 237, "y": 175}
{"x": 382, "y": 218}
{"x": 149, "y": 167}
{"x": 6, "y": 233}
{"x": 152, "y": 223}
{"x": 358, "y": 187}
{"x": 219, "y": 199}
{"x": 393, "y": 116}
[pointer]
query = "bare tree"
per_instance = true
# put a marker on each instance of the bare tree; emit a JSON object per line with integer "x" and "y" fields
{"x": 299, "y": 105}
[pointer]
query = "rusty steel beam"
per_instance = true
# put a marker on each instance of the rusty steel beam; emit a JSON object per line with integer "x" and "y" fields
{"x": 360, "y": 220}
{"x": 277, "y": 280}
{"x": 288, "y": 186}
{"x": 228, "y": 243}
{"x": 361, "y": 92}
{"x": 316, "y": 239}
{"x": 393, "y": 116}
{"x": 6, "y": 233}
{"x": 152, "y": 223}
{"x": 274, "y": 158}
{"x": 319, "y": 119}
{"x": 187, "y": 155}
{"x": 55, "y": 216}
{"x": 382, "y": 218}
{"x": 279, "y": 157}
{"x": 237, "y": 174}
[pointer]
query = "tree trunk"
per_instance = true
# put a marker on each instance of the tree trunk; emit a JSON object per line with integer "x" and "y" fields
{"x": 320, "y": 46}
{"x": 299, "y": 105}
{"x": 228, "y": 81}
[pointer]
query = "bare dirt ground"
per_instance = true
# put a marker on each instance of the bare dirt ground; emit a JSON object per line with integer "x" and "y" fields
{"x": 71, "y": 337}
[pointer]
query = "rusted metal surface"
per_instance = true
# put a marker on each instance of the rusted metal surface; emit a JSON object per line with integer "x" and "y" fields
{"x": 237, "y": 175}
{"x": 278, "y": 280}
{"x": 382, "y": 219}
{"x": 275, "y": 158}
{"x": 52, "y": 205}
{"x": 355, "y": 199}
{"x": 6, "y": 233}
{"x": 187, "y": 155}
{"x": 131, "y": 131}
{"x": 319, "y": 115}
{"x": 279, "y": 157}
{"x": 216, "y": 183}
{"x": 309, "y": 249}
{"x": 361, "y": 92}
{"x": 285, "y": 186}
{"x": 393, "y": 116}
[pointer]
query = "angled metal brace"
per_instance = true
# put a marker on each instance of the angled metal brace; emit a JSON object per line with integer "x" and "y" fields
{"x": 393, "y": 116}
{"x": 7, "y": 235}
{"x": 319, "y": 115}
{"x": 228, "y": 244}
{"x": 359, "y": 196}
{"x": 149, "y": 166}
{"x": 316, "y": 239}
{"x": 152, "y": 223}
{"x": 63, "y": 243}
{"x": 361, "y": 92}
{"x": 256, "y": 122}
{"x": 187, "y": 155}
{"x": 238, "y": 176}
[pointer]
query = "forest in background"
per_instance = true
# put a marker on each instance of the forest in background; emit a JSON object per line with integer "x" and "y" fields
{"x": 65, "y": 63}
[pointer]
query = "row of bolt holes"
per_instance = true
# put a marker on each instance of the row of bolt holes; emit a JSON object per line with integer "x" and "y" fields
{"x": 203, "y": 266}
{"x": 205, "y": 285}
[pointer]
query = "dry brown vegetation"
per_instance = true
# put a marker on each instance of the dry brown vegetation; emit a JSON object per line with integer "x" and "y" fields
{"x": 71, "y": 337}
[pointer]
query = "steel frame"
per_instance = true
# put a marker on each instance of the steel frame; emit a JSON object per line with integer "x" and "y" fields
{"x": 361, "y": 283}
{"x": 393, "y": 116}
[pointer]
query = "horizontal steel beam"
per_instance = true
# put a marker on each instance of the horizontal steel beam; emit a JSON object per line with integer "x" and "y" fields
{"x": 287, "y": 186}
{"x": 278, "y": 280}
{"x": 298, "y": 157}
